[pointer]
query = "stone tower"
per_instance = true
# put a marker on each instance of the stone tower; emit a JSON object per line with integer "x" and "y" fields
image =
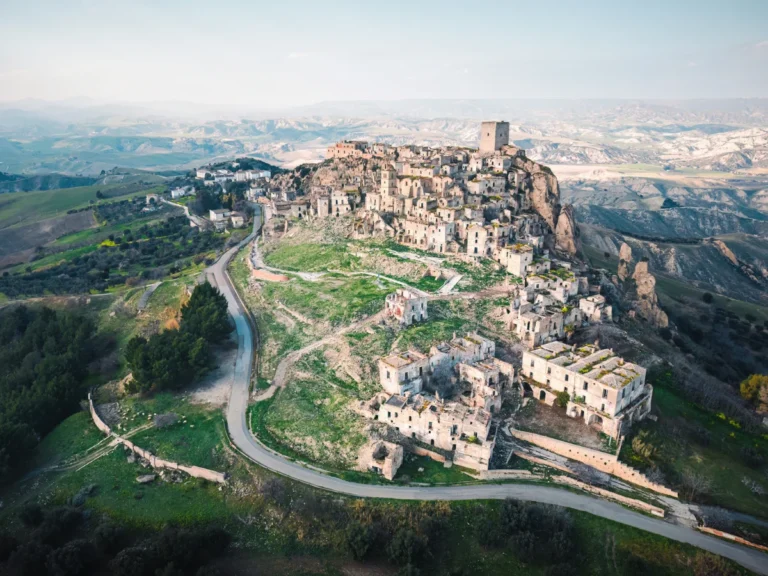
{"x": 388, "y": 182}
{"x": 493, "y": 135}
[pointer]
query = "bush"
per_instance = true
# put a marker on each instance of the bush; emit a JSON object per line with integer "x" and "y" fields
{"x": 72, "y": 559}
{"x": 406, "y": 547}
{"x": 707, "y": 298}
{"x": 358, "y": 539}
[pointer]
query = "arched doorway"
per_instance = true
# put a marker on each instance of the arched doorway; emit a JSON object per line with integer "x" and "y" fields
{"x": 542, "y": 395}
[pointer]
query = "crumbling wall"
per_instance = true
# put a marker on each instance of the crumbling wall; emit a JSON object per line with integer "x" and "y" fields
{"x": 154, "y": 461}
{"x": 608, "y": 463}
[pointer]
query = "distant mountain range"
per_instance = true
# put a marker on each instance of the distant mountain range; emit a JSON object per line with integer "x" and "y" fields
{"x": 38, "y": 137}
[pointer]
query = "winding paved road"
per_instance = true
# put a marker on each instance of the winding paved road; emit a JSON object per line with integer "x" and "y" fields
{"x": 244, "y": 440}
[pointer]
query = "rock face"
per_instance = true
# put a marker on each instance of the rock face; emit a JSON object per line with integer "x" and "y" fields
{"x": 543, "y": 192}
{"x": 566, "y": 233}
{"x": 625, "y": 259}
{"x": 647, "y": 304}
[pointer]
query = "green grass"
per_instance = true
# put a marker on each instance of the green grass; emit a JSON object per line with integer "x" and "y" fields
{"x": 683, "y": 447}
{"x": 194, "y": 442}
{"x": 336, "y": 299}
{"x": 311, "y": 257}
{"x": 100, "y": 233}
{"x": 54, "y": 259}
{"x": 669, "y": 288}
{"x": 431, "y": 472}
{"x": 74, "y": 436}
{"x": 312, "y": 415}
{"x": 27, "y": 207}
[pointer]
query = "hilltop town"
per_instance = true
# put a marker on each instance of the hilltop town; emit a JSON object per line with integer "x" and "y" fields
{"x": 494, "y": 215}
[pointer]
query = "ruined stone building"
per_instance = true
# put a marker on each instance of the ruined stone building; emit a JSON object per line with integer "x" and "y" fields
{"x": 406, "y": 306}
{"x": 596, "y": 309}
{"x": 461, "y": 425}
{"x": 451, "y": 200}
{"x": 605, "y": 391}
{"x": 381, "y": 457}
{"x": 451, "y": 426}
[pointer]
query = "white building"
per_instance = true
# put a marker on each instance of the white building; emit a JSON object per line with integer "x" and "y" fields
{"x": 604, "y": 390}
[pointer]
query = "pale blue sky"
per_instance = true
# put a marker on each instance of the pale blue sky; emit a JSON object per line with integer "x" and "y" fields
{"x": 269, "y": 54}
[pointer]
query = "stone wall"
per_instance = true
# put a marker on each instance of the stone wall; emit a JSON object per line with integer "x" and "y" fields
{"x": 602, "y": 461}
{"x": 153, "y": 460}
{"x": 631, "y": 502}
{"x": 419, "y": 451}
{"x": 732, "y": 538}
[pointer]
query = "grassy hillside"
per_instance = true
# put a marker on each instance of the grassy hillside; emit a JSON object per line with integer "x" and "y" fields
{"x": 27, "y": 207}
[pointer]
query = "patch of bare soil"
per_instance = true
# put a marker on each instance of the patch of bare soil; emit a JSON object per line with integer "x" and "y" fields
{"x": 552, "y": 421}
{"x": 215, "y": 387}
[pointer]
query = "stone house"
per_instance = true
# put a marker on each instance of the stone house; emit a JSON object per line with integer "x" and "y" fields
{"x": 407, "y": 306}
{"x": 340, "y": 203}
{"x": 405, "y": 372}
{"x": 605, "y": 391}
{"x": 516, "y": 258}
{"x": 477, "y": 240}
{"x": 596, "y": 309}
{"x": 381, "y": 457}
{"x": 220, "y": 215}
{"x": 485, "y": 381}
{"x": 346, "y": 149}
{"x": 450, "y": 426}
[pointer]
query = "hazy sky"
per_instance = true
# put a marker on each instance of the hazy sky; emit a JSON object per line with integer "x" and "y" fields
{"x": 282, "y": 53}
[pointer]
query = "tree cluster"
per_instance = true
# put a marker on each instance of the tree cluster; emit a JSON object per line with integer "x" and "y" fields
{"x": 149, "y": 252}
{"x": 122, "y": 210}
{"x": 63, "y": 541}
{"x": 44, "y": 356}
{"x": 174, "y": 358}
{"x": 536, "y": 533}
{"x": 755, "y": 390}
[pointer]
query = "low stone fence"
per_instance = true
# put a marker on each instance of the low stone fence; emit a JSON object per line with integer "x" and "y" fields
{"x": 602, "y": 461}
{"x": 732, "y": 538}
{"x": 154, "y": 461}
{"x": 608, "y": 495}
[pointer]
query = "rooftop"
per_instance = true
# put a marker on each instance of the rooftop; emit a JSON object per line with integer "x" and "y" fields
{"x": 403, "y": 359}
{"x": 600, "y": 365}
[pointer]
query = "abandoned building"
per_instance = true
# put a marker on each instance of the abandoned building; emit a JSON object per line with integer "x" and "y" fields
{"x": 604, "y": 390}
{"x": 406, "y": 306}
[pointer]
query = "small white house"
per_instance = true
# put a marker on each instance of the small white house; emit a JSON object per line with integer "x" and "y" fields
{"x": 178, "y": 193}
{"x": 220, "y": 215}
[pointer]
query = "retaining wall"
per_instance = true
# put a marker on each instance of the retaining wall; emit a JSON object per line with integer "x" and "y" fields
{"x": 153, "y": 460}
{"x": 509, "y": 475}
{"x": 732, "y": 538}
{"x": 602, "y": 461}
{"x": 419, "y": 451}
{"x": 633, "y": 503}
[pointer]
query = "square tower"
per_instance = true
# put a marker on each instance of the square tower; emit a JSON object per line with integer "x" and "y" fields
{"x": 493, "y": 135}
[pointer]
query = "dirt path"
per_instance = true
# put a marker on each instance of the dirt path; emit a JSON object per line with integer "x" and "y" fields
{"x": 147, "y": 295}
{"x": 286, "y": 363}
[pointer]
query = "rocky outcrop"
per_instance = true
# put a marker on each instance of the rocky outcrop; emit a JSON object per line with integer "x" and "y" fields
{"x": 625, "y": 259}
{"x": 543, "y": 193}
{"x": 566, "y": 232}
{"x": 647, "y": 304}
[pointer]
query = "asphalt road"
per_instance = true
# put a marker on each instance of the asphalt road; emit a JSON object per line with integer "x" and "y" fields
{"x": 241, "y": 436}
